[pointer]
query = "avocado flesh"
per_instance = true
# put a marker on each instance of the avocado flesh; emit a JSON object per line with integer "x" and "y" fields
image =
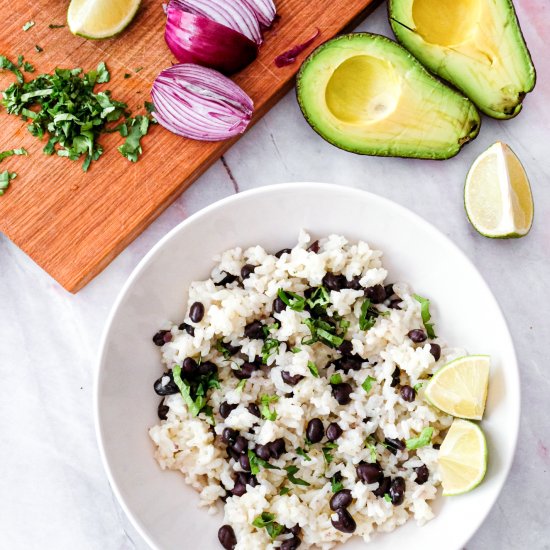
{"x": 476, "y": 45}
{"x": 366, "y": 94}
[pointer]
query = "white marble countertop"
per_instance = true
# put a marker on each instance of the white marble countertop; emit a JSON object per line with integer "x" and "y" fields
{"x": 55, "y": 494}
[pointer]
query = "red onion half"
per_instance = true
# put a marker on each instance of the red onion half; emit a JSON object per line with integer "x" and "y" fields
{"x": 196, "y": 39}
{"x": 200, "y": 103}
{"x": 264, "y": 10}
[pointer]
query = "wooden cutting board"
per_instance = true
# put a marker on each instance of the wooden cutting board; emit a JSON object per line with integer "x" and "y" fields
{"x": 73, "y": 223}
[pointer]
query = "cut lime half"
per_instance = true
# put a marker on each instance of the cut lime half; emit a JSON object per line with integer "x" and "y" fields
{"x": 97, "y": 19}
{"x": 497, "y": 195}
{"x": 462, "y": 458}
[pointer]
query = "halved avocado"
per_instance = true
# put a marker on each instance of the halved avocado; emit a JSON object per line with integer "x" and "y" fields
{"x": 365, "y": 93}
{"x": 476, "y": 45}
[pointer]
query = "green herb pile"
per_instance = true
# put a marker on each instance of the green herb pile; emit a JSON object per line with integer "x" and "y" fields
{"x": 71, "y": 114}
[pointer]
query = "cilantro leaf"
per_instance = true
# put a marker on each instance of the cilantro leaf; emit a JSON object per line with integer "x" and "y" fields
{"x": 295, "y": 350}
{"x": 195, "y": 394}
{"x": 11, "y": 152}
{"x": 256, "y": 462}
{"x": 267, "y": 521}
{"x": 313, "y": 369}
{"x": 103, "y": 74}
{"x": 426, "y": 315}
{"x": 6, "y": 64}
{"x": 336, "y": 378}
{"x": 265, "y": 410}
{"x": 387, "y": 497}
{"x": 270, "y": 346}
{"x": 222, "y": 348}
{"x": 367, "y": 384}
{"x": 369, "y": 314}
{"x": 336, "y": 482}
{"x": 320, "y": 299}
{"x": 5, "y": 178}
{"x": 241, "y": 385}
{"x": 27, "y": 67}
{"x": 422, "y": 440}
{"x": 137, "y": 128}
{"x": 303, "y": 454}
{"x": 291, "y": 470}
{"x": 292, "y": 300}
{"x": 418, "y": 386}
{"x": 327, "y": 452}
{"x": 284, "y": 491}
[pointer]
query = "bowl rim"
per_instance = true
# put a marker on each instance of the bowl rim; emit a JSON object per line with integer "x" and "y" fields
{"x": 282, "y": 187}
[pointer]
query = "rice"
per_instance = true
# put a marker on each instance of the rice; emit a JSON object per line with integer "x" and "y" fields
{"x": 192, "y": 445}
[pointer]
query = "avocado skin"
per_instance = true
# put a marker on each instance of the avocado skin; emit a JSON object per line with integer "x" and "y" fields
{"x": 417, "y": 154}
{"x": 397, "y": 27}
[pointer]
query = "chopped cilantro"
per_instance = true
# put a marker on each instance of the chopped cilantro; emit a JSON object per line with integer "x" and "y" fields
{"x": 27, "y": 67}
{"x": 265, "y": 410}
{"x": 137, "y": 128}
{"x": 284, "y": 491}
{"x": 367, "y": 384}
{"x": 20, "y": 59}
{"x": 368, "y": 315}
{"x": 271, "y": 346}
{"x": 127, "y": 75}
{"x": 38, "y": 48}
{"x": 267, "y": 521}
{"x": 372, "y": 449}
{"x": 291, "y": 470}
{"x": 422, "y": 440}
{"x": 52, "y": 26}
{"x": 12, "y": 152}
{"x": 426, "y": 315}
{"x": 327, "y": 452}
{"x": 418, "y": 386}
{"x": 8, "y": 65}
{"x": 387, "y": 497}
{"x": 149, "y": 107}
{"x": 313, "y": 369}
{"x": 5, "y": 178}
{"x": 221, "y": 347}
{"x": 241, "y": 385}
{"x": 323, "y": 331}
{"x": 303, "y": 454}
{"x": 292, "y": 300}
{"x": 208, "y": 411}
{"x": 194, "y": 394}
{"x": 336, "y": 482}
{"x": 295, "y": 350}
{"x": 256, "y": 462}
{"x": 336, "y": 378}
{"x": 28, "y": 25}
{"x": 320, "y": 298}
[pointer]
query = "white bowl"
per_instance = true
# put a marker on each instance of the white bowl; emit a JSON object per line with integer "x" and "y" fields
{"x": 161, "y": 506}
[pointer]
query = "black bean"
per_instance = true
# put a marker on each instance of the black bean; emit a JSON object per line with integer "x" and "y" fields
{"x": 436, "y": 446}
{"x": 188, "y": 328}
{"x": 226, "y": 408}
{"x": 435, "y": 350}
{"x": 408, "y": 393}
{"x": 229, "y": 435}
{"x": 290, "y": 379}
{"x": 207, "y": 368}
{"x": 395, "y": 303}
{"x": 162, "y": 410}
{"x": 196, "y": 313}
{"x": 247, "y": 270}
{"x": 277, "y": 447}
{"x": 254, "y": 409}
{"x": 291, "y": 544}
{"x": 244, "y": 462}
{"x": 333, "y": 431}
{"x": 283, "y": 251}
{"x": 227, "y": 537}
{"x": 394, "y": 445}
{"x": 376, "y": 294}
{"x": 239, "y": 490}
{"x": 314, "y": 247}
{"x": 240, "y": 445}
{"x": 254, "y": 330}
{"x": 389, "y": 291}
{"x": 253, "y": 481}
{"x": 278, "y": 305}
{"x": 341, "y": 393}
{"x": 245, "y": 371}
{"x": 397, "y": 491}
{"x": 159, "y": 338}
{"x": 417, "y": 335}
{"x": 369, "y": 473}
{"x": 231, "y": 453}
{"x": 296, "y": 530}
{"x": 341, "y": 499}
{"x": 263, "y": 452}
{"x": 227, "y": 280}
{"x": 345, "y": 521}
{"x": 354, "y": 284}
{"x": 189, "y": 368}
{"x": 346, "y": 347}
{"x": 334, "y": 282}
{"x": 315, "y": 430}
{"x": 165, "y": 385}
{"x": 352, "y": 362}
{"x": 422, "y": 474}
{"x": 395, "y": 377}
{"x": 383, "y": 487}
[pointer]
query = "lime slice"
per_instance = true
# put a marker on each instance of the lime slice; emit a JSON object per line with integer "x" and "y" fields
{"x": 100, "y": 18}
{"x": 462, "y": 458}
{"x": 460, "y": 387}
{"x": 497, "y": 195}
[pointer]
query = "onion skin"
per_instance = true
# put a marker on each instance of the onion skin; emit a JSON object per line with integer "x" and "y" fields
{"x": 196, "y": 39}
{"x": 200, "y": 103}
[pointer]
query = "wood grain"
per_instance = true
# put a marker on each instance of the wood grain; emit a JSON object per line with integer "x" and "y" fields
{"x": 73, "y": 223}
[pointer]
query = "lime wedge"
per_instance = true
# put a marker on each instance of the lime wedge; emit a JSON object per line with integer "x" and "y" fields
{"x": 460, "y": 387}
{"x": 100, "y": 18}
{"x": 497, "y": 195}
{"x": 462, "y": 458}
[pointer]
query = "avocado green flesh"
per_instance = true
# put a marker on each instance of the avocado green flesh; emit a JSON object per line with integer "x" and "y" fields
{"x": 476, "y": 45}
{"x": 366, "y": 94}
